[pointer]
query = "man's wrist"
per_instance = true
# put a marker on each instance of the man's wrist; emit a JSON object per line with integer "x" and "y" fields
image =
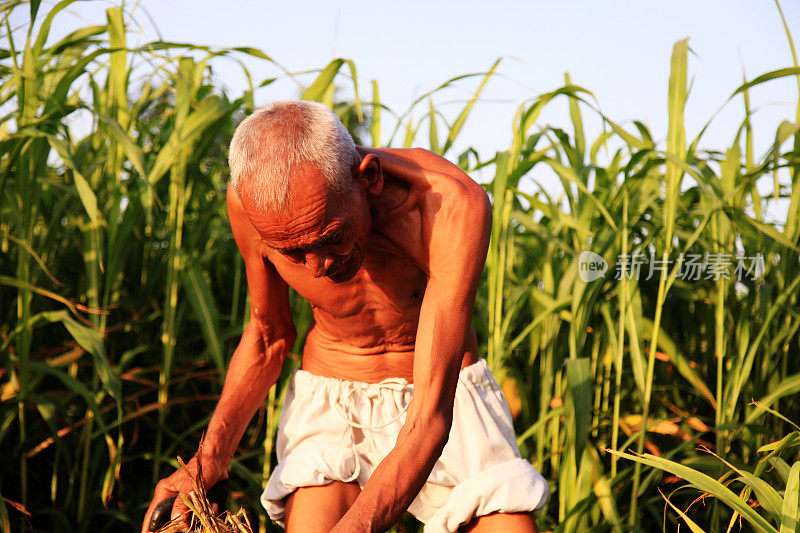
{"x": 212, "y": 450}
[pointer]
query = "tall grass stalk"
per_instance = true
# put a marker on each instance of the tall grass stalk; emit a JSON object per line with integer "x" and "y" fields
{"x": 622, "y": 300}
{"x": 676, "y": 148}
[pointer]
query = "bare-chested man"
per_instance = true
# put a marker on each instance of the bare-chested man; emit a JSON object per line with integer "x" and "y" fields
{"x": 392, "y": 409}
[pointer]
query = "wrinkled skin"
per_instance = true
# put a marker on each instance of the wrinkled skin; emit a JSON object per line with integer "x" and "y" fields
{"x": 390, "y": 271}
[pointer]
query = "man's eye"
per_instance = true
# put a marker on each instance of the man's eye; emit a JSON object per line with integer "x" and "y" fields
{"x": 294, "y": 256}
{"x": 333, "y": 240}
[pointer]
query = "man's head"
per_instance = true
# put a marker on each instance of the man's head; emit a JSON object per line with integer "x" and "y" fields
{"x": 304, "y": 186}
{"x": 270, "y": 145}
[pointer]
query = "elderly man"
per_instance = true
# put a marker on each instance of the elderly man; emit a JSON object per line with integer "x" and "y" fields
{"x": 392, "y": 409}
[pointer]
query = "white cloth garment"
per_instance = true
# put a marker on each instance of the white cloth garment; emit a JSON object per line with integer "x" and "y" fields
{"x": 336, "y": 430}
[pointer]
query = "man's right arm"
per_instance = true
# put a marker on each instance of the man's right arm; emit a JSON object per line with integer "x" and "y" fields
{"x": 268, "y": 337}
{"x": 254, "y": 367}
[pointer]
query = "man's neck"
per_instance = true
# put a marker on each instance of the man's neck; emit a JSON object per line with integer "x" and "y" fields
{"x": 393, "y": 198}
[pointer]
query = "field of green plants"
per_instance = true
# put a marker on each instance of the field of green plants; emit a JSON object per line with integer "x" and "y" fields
{"x": 648, "y": 400}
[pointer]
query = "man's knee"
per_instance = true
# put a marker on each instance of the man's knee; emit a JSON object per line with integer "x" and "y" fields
{"x": 312, "y": 509}
{"x": 511, "y": 522}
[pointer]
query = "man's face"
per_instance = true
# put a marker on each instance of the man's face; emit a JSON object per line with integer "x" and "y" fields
{"x": 324, "y": 230}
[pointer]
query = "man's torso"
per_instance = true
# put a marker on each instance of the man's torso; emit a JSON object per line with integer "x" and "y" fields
{"x": 365, "y": 329}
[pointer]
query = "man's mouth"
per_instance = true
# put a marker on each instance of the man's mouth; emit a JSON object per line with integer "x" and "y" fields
{"x": 347, "y": 269}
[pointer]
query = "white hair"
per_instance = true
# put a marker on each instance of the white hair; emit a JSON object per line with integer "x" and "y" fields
{"x": 270, "y": 145}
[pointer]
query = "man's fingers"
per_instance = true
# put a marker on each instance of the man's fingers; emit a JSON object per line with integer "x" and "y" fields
{"x": 146, "y": 521}
{"x": 161, "y": 514}
{"x": 160, "y": 495}
{"x": 167, "y": 505}
{"x": 180, "y": 511}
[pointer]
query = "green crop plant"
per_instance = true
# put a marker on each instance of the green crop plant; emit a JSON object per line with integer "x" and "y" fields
{"x": 122, "y": 294}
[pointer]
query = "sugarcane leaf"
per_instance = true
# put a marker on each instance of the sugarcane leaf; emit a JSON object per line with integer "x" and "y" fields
{"x": 580, "y": 386}
{"x": 706, "y": 484}
{"x": 316, "y": 92}
{"x": 790, "y": 501}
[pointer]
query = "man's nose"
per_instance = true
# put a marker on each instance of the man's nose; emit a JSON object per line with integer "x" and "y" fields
{"x": 318, "y": 265}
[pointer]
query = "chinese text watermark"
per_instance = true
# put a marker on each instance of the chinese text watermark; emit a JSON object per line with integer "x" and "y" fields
{"x": 691, "y": 266}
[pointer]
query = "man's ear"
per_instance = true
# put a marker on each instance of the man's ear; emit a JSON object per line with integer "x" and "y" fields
{"x": 369, "y": 170}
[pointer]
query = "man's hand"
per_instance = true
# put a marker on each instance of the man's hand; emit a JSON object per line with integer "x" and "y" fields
{"x": 167, "y": 503}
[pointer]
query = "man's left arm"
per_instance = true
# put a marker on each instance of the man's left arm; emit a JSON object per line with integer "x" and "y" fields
{"x": 458, "y": 240}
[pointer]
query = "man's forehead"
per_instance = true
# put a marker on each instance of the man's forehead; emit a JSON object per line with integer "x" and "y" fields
{"x": 288, "y": 225}
{"x": 297, "y": 228}
{"x": 311, "y": 208}
{"x": 311, "y": 204}
{"x": 309, "y": 241}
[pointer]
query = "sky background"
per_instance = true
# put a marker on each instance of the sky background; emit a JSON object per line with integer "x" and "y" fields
{"x": 620, "y": 50}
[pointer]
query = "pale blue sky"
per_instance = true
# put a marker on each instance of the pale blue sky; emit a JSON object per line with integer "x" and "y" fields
{"x": 620, "y": 50}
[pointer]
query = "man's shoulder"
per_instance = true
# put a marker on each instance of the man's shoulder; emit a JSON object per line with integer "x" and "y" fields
{"x": 456, "y": 220}
{"x": 449, "y": 186}
{"x": 453, "y": 194}
{"x": 247, "y": 238}
{"x": 456, "y": 211}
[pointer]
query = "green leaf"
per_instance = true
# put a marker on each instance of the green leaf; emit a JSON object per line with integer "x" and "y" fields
{"x": 356, "y": 98}
{"x": 375, "y": 119}
{"x": 132, "y": 151}
{"x": 580, "y": 385}
{"x": 792, "y": 439}
{"x": 14, "y": 282}
{"x": 552, "y": 413}
{"x": 788, "y": 385}
{"x": 742, "y": 371}
{"x": 90, "y": 340}
{"x": 44, "y": 29}
{"x": 768, "y": 497}
{"x": 34, "y": 10}
{"x": 209, "y": 111}
{"x": 85, "y": 192}
{"x": 74, "y": 386}
{"x": 569, "y": 174}
{"x": 433, "y": 134}
{"x": 577, "y": 126}
{"x": 767, "y": 76}
{"x": 767, "y": 229}
{"x": 117, "y": 73}
{"x": 706, "y": 484}
{"x": 455, "y": 129}
{"x": 205, "y": 309}
{"x": 689, "y": 522}
{"x": 317, "y": 90}
{"x": 790, "y": 501}
{"x": 676, "y": 135}
{"x": 607, "y": 503}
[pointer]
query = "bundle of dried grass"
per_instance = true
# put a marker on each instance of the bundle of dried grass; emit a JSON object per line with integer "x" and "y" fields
{"x": 204, "y": 518}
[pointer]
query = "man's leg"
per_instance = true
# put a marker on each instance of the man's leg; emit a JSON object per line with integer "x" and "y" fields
{"x": 508, "y": 522}
{"x": 317, "y": 509}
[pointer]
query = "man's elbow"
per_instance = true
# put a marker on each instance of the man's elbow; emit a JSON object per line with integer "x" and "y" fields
{"x": 441, "y": 428}
{"x": 269, "y": 342}
{"x": 432, "y": 429}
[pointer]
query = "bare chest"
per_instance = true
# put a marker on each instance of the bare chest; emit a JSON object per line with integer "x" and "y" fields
{"x": 386, "y": 283}
{"x": 382, "y": 302}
